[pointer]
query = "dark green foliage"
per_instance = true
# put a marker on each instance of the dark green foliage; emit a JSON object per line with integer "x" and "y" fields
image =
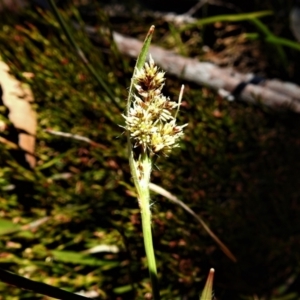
{"x": 237, "y": 168}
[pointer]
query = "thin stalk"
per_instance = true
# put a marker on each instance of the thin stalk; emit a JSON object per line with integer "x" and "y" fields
{"x": 227, "y": 18}
{"x": 274, "y": 40}
{"x": 144, "y": 201}
{"x": 142, "y": 186}
{"x": 267, "y": 34}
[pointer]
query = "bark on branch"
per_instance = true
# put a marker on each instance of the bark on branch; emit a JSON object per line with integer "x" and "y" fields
{"x": 273, "y": 93}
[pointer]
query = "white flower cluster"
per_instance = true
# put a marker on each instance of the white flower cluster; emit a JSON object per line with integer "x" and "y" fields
{"x": 150, "y": 121}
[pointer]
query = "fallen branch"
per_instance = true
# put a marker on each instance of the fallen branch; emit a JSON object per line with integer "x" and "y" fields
{"x": 273, "y": 93}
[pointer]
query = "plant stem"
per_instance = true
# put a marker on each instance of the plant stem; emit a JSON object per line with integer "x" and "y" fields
{"x": 144, "y": 201}
{"x": 147, "y": 233}
{"x": 142, "y": 187}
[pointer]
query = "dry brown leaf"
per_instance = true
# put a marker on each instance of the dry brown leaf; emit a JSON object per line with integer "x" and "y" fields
{"x": 16, "y": 97}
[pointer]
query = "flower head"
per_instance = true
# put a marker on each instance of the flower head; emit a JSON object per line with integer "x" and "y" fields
{"x": 150, "y": 121}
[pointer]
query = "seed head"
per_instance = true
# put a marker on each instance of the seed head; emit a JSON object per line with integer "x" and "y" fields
{"x": 150, "y": 122}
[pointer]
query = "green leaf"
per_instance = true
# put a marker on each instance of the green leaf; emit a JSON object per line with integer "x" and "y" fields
{"x": 139, "y": 63}
{"x": 82, "y": 259}
{"x": 123, "y": 289}
{"x": 207, "y": 291}
{"x": 7, "y": 226}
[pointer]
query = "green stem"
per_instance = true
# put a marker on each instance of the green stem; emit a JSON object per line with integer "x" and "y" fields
{"x": 144, "y": 201}
{"x": 141, "y": 181}
{"x": 147, "y": 233}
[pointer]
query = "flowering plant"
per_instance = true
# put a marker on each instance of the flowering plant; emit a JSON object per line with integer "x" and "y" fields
{"x": 151, "y": 130}
{"x": 150, "y": 122}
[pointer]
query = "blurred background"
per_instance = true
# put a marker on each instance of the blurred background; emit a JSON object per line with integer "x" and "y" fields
{"x": 68, "y": 212}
